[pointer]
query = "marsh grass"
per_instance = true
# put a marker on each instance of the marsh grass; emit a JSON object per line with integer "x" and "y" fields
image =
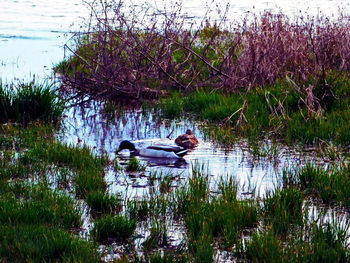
{"x": 14, "y": 137}
{"x": 329, "y": 243}
{"x": 165, "y": 183}
{"x": 210, "y": 219}
{"x": 158, "y": 236}
{"x": 328, "y": 185}
{"x": 38, "y": 205}
{"x": 37, "y": 225}
{"x": 33, "y": 243}
{"x": 278, "y": 111}
{"x": 31, "y": 101}
{"x": 88, "y": 167}
{"x": 102, "y": 203}
{"x": 263, "y": 247}
{"x": 117, "y": 228}
{"x": 312, "y": 243}
{"x": 38, "y": 221}
{"x": 135, "y": 165}
{"x": 169, "y": 257}
{"x": 283, "y": 210}
{"x": 138, "y": 209}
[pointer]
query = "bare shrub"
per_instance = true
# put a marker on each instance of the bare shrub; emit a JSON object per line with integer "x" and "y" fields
{"x": 143, "y": 53}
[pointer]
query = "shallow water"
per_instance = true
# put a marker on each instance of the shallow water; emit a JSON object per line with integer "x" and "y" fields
{"x": 89, "y": 126}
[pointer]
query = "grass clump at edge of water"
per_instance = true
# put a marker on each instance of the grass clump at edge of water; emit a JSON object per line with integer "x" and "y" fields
{"x": 310, "y": 244}
{"x": 206, "y": 218}
{"x": 328, "y": 185}
{"x": 278, "y": 111}
{"x": 33, "y": 243}
{"x": 117, "y": 228}
{"x": 25, "y": 204}
{"x": 135, "y": 165}
{"x": 102, "y": 203}
{"x": 89, "y": 168}
{"x": 282, "y": 209}
{"x": 29, "y": 102}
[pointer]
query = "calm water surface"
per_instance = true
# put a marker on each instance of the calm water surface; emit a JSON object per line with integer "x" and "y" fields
{"x": 88, "y": 126}
{"x": 32, "y": 35}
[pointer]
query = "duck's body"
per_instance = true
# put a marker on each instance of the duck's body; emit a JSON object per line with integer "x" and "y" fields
{"x": 187, "y": 140}
{"x": 155, "y": 151}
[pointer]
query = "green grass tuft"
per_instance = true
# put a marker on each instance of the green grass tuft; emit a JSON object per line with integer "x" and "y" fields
{"x": 38, "y": 205}
{"x": 328, "y": 185}
{"x": 118, "y": 228}
{"x": 88, "y": 167}
{"x": 29, "y": 102}
{"x": 134, "y": 165}
{"x": 283, "y": 208}
{"x": 32, "y": 243}
{"x": 102, "y": 203}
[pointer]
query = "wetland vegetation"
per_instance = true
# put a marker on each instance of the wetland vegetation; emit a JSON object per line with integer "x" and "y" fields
{"x": 269, "y": 77}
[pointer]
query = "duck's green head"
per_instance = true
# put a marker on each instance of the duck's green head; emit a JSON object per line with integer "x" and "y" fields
{"x": 126, "y": 145}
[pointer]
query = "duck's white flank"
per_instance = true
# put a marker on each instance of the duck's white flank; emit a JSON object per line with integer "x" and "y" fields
{"x": 157, "y": 153}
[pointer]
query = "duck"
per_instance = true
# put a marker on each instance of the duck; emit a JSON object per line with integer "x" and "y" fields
{"x": 187, "y": 140}
{"x": 154, "y": 151}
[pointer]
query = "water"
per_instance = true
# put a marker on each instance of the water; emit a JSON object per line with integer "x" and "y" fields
{"x": 89, "y": 126}
{"x": 32, "y": 35}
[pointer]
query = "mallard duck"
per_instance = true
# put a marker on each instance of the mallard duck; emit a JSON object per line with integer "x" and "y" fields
{"x": 187, "y": 140}
{"x": 156, "y": 151}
